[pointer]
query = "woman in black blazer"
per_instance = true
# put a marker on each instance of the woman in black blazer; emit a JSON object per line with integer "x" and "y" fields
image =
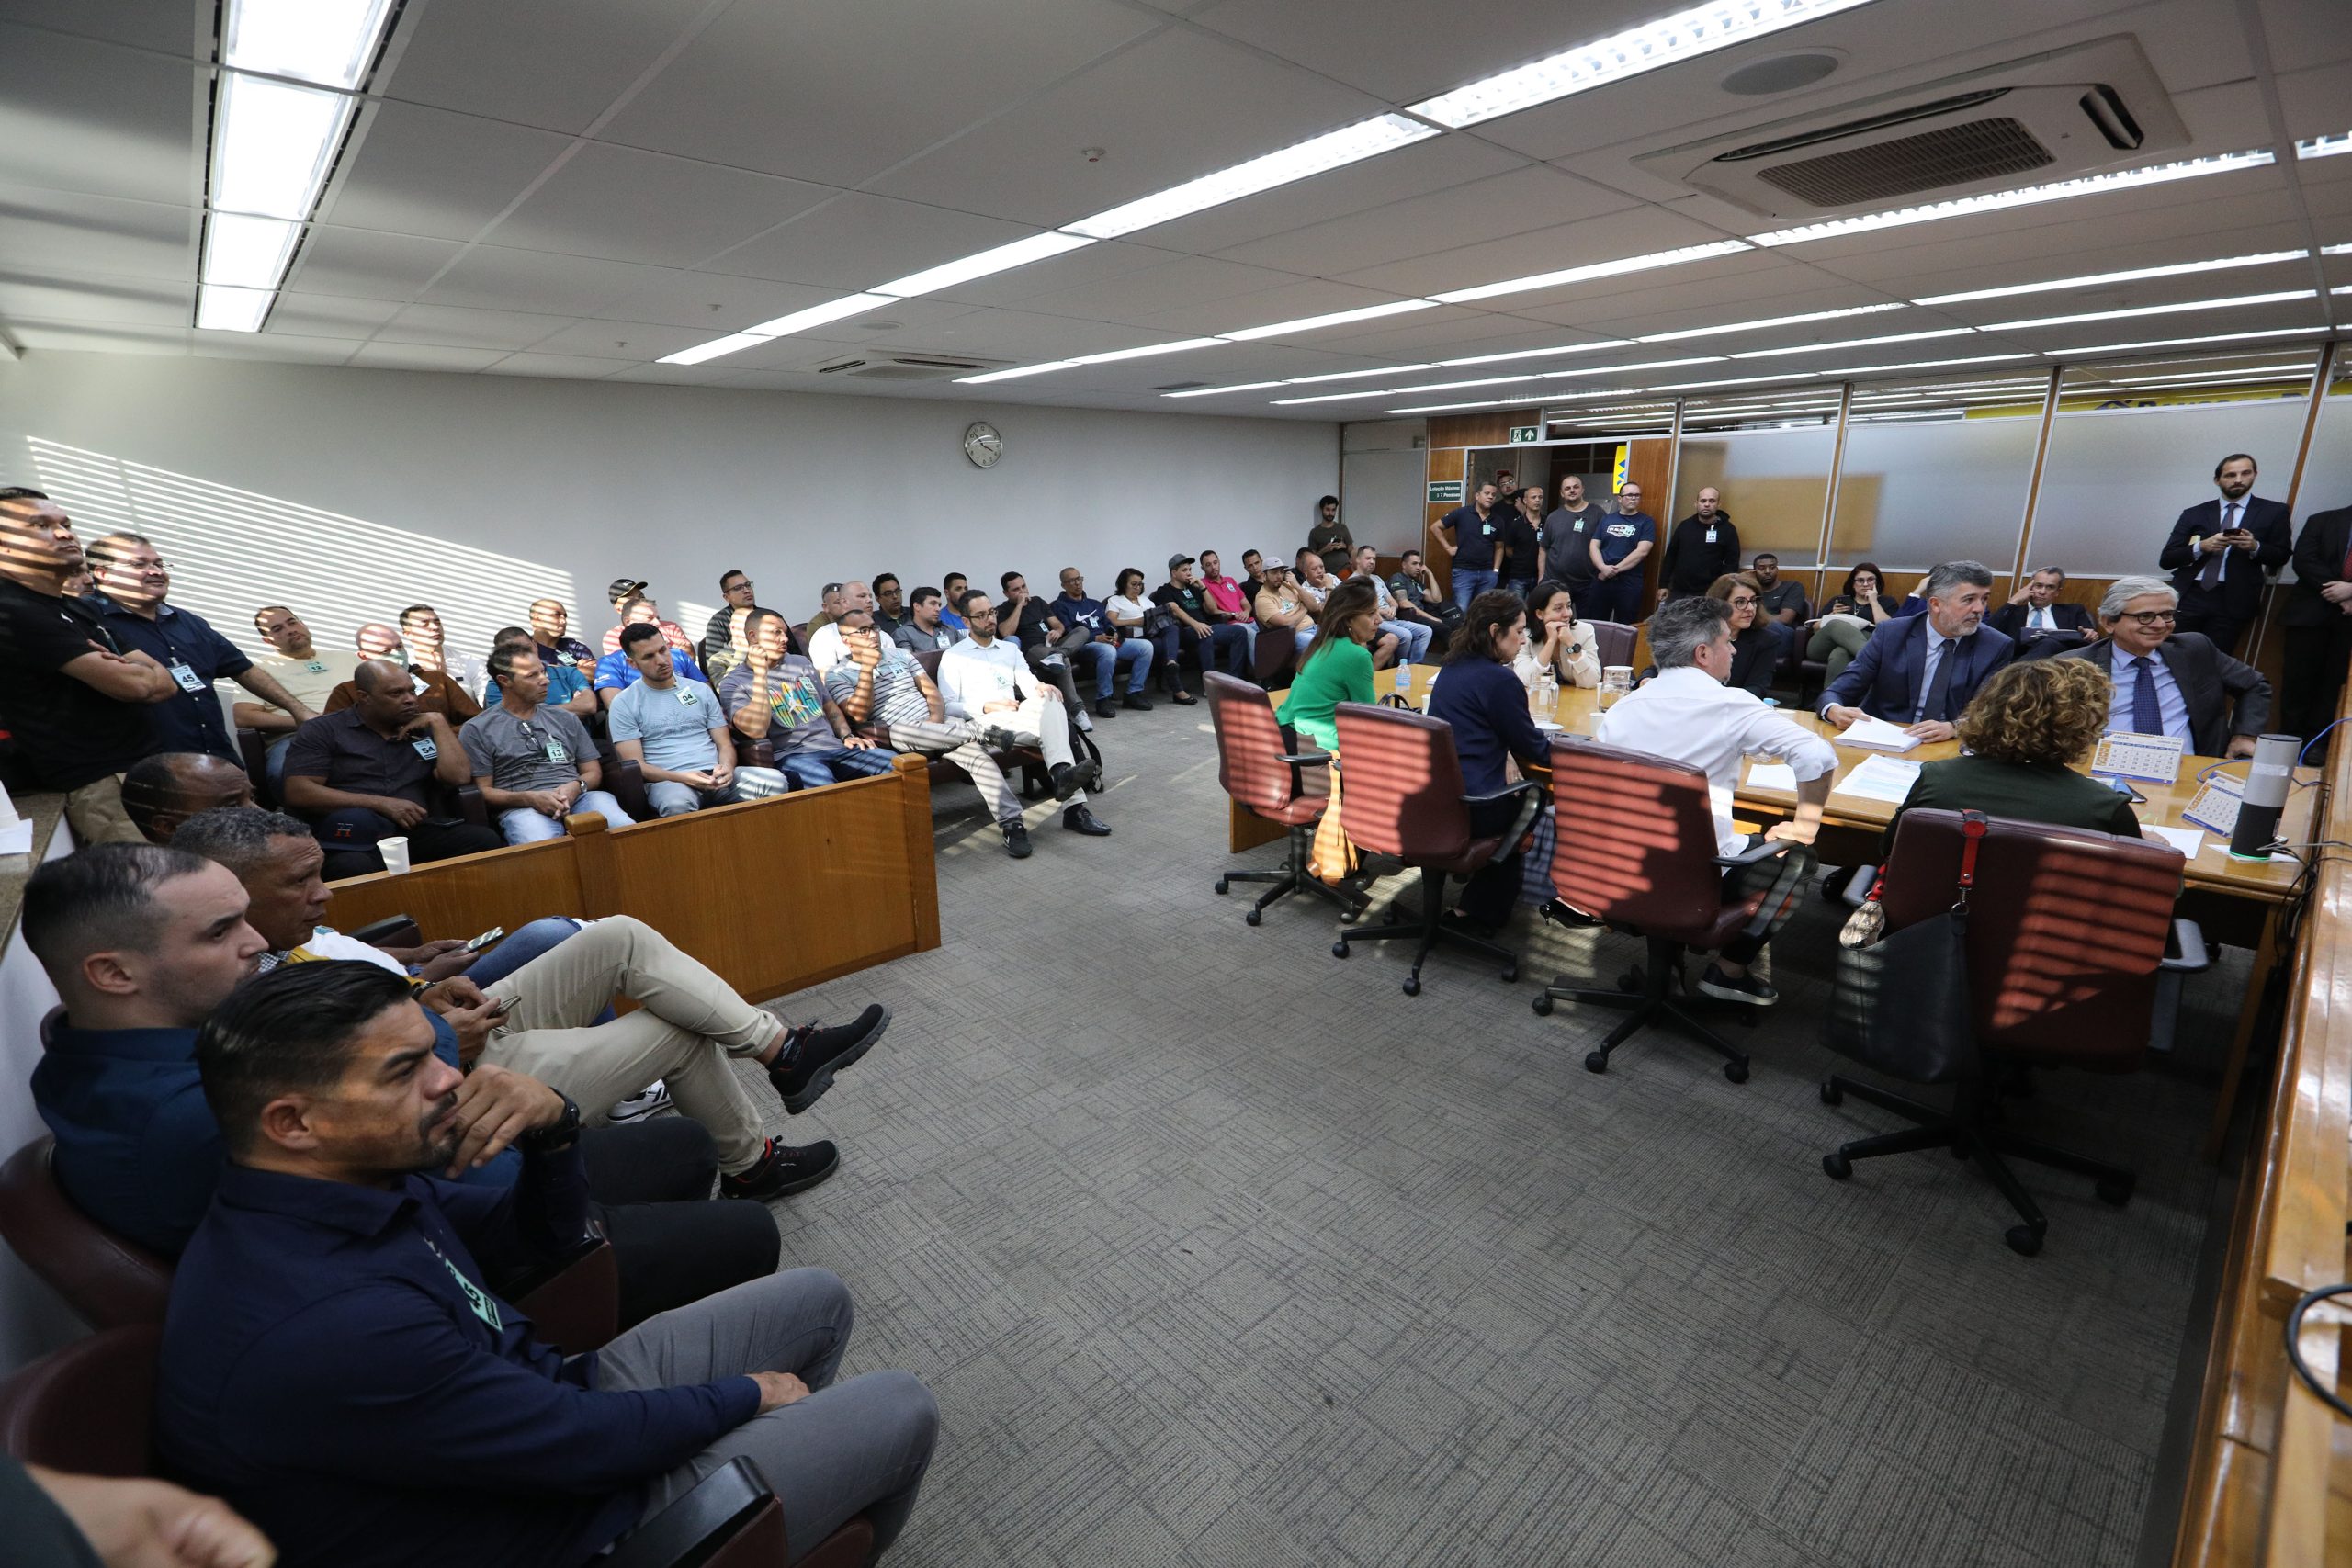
{"x": 1753, "y": 651}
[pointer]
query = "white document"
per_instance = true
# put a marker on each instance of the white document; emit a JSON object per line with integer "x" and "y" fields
{"x": 1877, "y": 735}
{"x": 1772, "y": 775}
{"x": 17, "y": 837}
{"x": 2188, "y": 841}
{"x": 1880, "y": 778}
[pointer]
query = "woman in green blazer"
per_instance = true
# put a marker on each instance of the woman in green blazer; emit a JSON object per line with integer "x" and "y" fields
{"x": 1338, "y": 666}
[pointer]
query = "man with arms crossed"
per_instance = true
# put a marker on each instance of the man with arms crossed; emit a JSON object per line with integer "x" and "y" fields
{"x": 778, "y": 696}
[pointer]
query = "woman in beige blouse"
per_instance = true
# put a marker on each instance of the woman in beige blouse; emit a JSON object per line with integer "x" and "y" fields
{"x": 1557, "y": 640}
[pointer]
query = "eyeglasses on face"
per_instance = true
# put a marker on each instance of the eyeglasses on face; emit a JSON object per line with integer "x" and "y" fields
{"x": 1742, "y": 601}
{"x": 2150, "y": 617}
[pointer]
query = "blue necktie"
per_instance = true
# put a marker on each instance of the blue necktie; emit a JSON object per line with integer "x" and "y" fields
{"x": 1938, "y": 700}
{"x": 2147, "y": 714}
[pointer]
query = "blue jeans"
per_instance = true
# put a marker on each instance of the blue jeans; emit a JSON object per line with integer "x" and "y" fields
{"x": 1104, "y": 660}
{"x": 814, "y": 769}
{"x": 1469, "y": 582}
{"x": 1412, "y": 640}
{"x": 524, "y": 825}
{"x": 1618, "y": 598}
{"x": 1784, "y": 642}
{"x": 1224, "y": 645}
{"x": 670, "y": 798}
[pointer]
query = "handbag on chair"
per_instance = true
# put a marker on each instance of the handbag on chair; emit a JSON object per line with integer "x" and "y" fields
{"x": 1901, "y": 1001}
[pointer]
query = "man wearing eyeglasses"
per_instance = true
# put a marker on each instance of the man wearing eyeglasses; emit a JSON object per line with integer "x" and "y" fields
{"x": 535, "y": 763}
{"x": 132, "y": 582}
{"x": 2173, "y": 682}
{"x": 724, "y": 639}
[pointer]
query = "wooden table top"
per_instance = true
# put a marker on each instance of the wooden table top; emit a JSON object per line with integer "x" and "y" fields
{"x": 2212, "y": 868}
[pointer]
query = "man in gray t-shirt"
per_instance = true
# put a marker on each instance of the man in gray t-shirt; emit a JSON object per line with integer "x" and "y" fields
{"x": 534, "y": 764}
{"x": 777, "y": 696}
{"x": 1571, "y": 527}
{"x": 672, "y": 728}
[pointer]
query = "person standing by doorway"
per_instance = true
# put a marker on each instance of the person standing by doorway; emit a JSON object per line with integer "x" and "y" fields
{"x": 1625, "y": 541}
{"x": 1472, "y": 538}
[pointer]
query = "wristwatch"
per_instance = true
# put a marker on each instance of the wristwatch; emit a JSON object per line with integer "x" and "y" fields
{"x": 554, "y": 1138}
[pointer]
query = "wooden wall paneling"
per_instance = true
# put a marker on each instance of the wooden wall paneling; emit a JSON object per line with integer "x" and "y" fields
{"x": 922, "y": 854}
{"x": 1649, "y": 463}
{"x": 1491, "y": 428}
{"x": 465, "y": 897}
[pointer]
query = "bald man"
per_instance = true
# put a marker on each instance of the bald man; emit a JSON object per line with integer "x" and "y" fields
{"x": 436, "y": 690}
{"x": 163, "y": 791}
{"x": 374, "y": 771}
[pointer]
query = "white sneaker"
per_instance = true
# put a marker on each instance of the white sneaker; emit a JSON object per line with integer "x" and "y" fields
{"x": 654, "y": 1097}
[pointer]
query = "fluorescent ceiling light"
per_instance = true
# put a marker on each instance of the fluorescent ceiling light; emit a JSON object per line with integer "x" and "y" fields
{"x": 1684, "y": 35}
{"x": 1336, "y": 397}
{"x": 1333, "y": 150}
{"x": 1352, "y": 375}
{"x": 2323, "y": 146}
{"x": 2281, "y": 297}
{"x": 1016, "y": 372}
{"x": 1449, "y": 407}
{"x": 1213, "y": 391}
{"x": 2215, "y": 377}
{"x": 1146, "y": 351}
{"x": 1450, "y": 385}
{"x": 2134, "y": 275}
{"x": 1733, "y": 381}
{"x": 272, "y": 145}
{"x": 1004, "y": 258}
{"x": 713, "y": 349}
{"x": 1597, "y": 269}
{"x": 248, "y": 252}
{"x": 1336, "y": 319}
{"x": 222, "y": 310}
{"x": 1645, "y": 365}
{"x": 2181, "y": 342}
{"x": 1994, "y": 202}
{"x": 1924, "y": 364}
{"x": 326, "y": 41}
{"x": 1537, "y": 353}
{"x": 1854, "y": 342}
{"x": 818, "y": 315}
{"x": 1771, "y": 321}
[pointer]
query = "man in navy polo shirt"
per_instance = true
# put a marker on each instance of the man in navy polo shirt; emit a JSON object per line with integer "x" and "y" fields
{"x": 132, "y": 584}
{"x": 1625, "y": 541}
{"x": 1105, "y": 654}
{"x": 1471, "y": 536}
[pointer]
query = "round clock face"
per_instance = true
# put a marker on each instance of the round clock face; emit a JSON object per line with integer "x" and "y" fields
{"x": 983, "y": 445}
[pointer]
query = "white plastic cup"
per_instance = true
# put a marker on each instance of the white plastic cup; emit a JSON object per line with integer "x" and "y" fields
{"x": 395, "y": 853}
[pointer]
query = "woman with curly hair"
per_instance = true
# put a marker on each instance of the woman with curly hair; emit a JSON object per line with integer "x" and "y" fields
{"x": 2029, "y": 724}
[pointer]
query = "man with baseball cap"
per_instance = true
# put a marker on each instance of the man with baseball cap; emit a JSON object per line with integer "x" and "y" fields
{"x": 626, "y": 589}
{"x": 1197, "y": 629}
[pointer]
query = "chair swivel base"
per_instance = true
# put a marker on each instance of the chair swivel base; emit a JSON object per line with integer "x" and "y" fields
{"x": 1291, "y": 877}
{"x": 1432, "y": 929}
{"x": 1967, "y": 1132}
{"x": 1645, "y": 989}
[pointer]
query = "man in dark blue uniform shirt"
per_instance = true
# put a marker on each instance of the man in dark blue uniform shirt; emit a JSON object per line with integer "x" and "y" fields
{"x": 1471, "y": 536}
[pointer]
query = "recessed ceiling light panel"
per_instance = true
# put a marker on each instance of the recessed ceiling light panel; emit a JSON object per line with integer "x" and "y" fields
{"x": 1333, "y": 150}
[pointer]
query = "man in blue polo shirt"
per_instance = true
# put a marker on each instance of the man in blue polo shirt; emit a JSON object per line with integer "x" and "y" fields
{"x": 1105, "y": 654}
{"x": 617, "y": 671}
{"x": 132, "y": 584}
{"x": 1472, "y": 537}
{"x": 1625, "y": 541}
{"x": 335, "y": 1364}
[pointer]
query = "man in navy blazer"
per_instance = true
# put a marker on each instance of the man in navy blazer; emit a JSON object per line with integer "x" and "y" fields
{"x": 2213, "y": 702}
{"x": 1920, "y": 671}
{"x": 2038, "y": 622}
{"x": 2317, "y": 619}
{"x": 2218, "y": 551}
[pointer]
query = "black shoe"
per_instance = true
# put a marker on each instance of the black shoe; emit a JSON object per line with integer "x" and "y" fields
{"x": 1560, "y": 913}
{"x": 1184, "y": 699}
{"x": 783, "y": 1169}
{"x": 1016, "y": 840}
{"x": 1136, "y": 700}
{"x": 1068, "y": 779}
{"x": 1747, "y": 988}
{"x": 804, "y": 1069}
{"x": 1106, "y": 708}
{"x": 998, "y": 739}
{"x": 1078, "y": 819}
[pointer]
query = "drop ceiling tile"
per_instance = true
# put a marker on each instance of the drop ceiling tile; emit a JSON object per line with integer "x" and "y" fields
{"x": 361, "y": 264}
{"x": 565, "y": 367}
{"x": 328, "y": 315}
{"x": 1430, "y": 335}
{"x": 120, "y": 301}
{"x": 1199, "y": 288}
{"x": 1017, "y": 336}
{"x": 836, "y": 94}
{"x": 1424, "y": 167}
{"x": 624, "y": 205}
{"x": 554, "y": 63}
{"x": 94, "y": 337}
{"x": 1288, "y": 302}
{"x": 96, "y": 119}
{"x": 451, "y": 327}
{"x": 862, "y": 240}
{"x": 495, "y": 278}
{"x": 1728, "y": 289}
{"x": 2317, "y": 102}
{"x": 1071, "y": 269}
{"x": 708, "y": 304}
{"x": 1638, "y": 231}
{"x": 424, "y": 171}
{"x": 424, "y": 356}
{"x": 717, "y": 374}
{"x": 2305, "y": 32}
{"x": 612, "y": 341}
{"x": 63, "y": 235}
{"x": 1530, "y": 196}
{"x": 142, "y": 24}
{"x": 1167, "y": 110}
{"x": 1401, "y": 51}
{"x": 274, "y": 346}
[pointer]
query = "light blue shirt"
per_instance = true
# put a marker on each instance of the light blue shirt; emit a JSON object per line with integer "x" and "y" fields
{"x": 672, "y": 723}
{"x": 2169, "y": 702}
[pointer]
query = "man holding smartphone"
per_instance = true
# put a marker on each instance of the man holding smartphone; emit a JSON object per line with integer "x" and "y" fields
{"x": 2220, "y": 551}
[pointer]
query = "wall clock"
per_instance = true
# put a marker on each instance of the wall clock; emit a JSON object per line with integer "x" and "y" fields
{"x": 983, "y": 445}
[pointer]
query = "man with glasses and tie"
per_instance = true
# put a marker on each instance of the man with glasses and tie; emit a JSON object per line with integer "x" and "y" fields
{"x": 1920, "y": 671}
{"x": 2218, "y": 551}
{"x": 2169, "y": 682}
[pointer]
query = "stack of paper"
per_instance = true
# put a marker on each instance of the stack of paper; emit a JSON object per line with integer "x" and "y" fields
{"x": 2188, "y": 841}
{"x": 1880, "y": 778}
{"x": 1772, "y": 775}
{"x": 1878, "y": 736}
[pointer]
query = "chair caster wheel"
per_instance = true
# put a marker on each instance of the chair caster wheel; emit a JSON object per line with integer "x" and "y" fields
{"x": 1595, "y": 1061}
{"x": 2023, "y": 1239}
{"x": 1630, "y": 980}
{"x": 1338, "y": 950}
{"x": 1223, "y": 885}
{"x": 1510, "y": 975}
{"x": 1255, "y": 916}
{"x": 1831, "y": 1093}
{"x": 1735, "y": 1071}
{"x": 1412, "y": 986}
{"x": 1839, "y": 1167}
{"x": 2115, "y": 1191}
{"x": 1543, "y": 1005}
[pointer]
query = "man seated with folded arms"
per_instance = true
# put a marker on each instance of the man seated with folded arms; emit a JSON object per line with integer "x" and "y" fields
{"x": 1229, "y": 601}
{"x": 624, "y": 592}
{"x": 2174, "y": 683}
{"x": 674, "y": 730}
{"x": 567, "y": 688}
{"x": 307, "y": 674}
{"x": 365, "y": 773}
{"x": 925, "y": 629}
{"x": 336, "y": 1363}
{"x": 1103, "y": 654}
{"x": 1025, "y": 625}
{"x": 985, "y": 680}
{"x": 617, "y": 671}
{"x": 1918, "y": 671}
{"x": 778, "y": 696}
{"x": 534, "y": 762}
{"x": 1197, "y": 627}
{"x": 164, "y": 789}
{"x": 436, "y": 691}
{"x": 551, "y": 629}
{"x": 1687, "y": 714}
{"x": 1282, "y": 608}
{"x": 879, "y": 686}
{"x": 1411, "y": 638}
{"x": 145, "y": 943}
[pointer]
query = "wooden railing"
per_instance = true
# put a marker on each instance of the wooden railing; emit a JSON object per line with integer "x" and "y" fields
{"x": 2271, "y": 1475}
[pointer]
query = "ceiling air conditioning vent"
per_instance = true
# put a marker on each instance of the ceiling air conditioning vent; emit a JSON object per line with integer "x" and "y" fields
{"x": 2070, "y": 112}
{"x": 903, "y": 367}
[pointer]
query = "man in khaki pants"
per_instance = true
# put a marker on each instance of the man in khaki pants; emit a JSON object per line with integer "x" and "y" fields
{"x": 75, "y": 699}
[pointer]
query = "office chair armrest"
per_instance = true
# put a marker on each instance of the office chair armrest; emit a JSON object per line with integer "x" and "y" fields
{"x": 2187, "y": 953}
{"x": 1309, "y": 760}
{"x": 1521, "y": 787}
{"x": 1762, "y": 850}
{"x": 1797, "y": 863}
{"x": 693, "y": 1528}
{"x": 393, "y": 930}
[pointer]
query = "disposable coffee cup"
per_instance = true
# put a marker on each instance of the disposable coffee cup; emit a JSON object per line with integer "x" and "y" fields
{"x": 395, "y": 853}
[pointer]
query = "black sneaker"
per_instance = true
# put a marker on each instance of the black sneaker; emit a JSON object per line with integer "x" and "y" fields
{"x": 1067, "y": 780}
{"x": 1747, "y": 988}
{"x": 1136, "y": 701}
{"x": 783, "y": 1169}
{"x": 804, "y": 1069}
{"x": 1078, "y": 819}
{"x": 1016, "y": 840}
{"x": 1106, "y": 708}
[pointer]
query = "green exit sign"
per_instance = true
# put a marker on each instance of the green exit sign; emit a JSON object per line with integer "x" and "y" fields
{"x": 1524, "y": 434}
{"x": 1445, "y": 492}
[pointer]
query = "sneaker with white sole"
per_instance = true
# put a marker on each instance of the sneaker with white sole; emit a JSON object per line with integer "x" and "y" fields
{"x": 653, "y": 1098}
{"x": 1747, "y": 988}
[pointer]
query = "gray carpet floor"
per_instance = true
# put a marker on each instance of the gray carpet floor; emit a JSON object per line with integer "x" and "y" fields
{"x": 1218, "y": 1250}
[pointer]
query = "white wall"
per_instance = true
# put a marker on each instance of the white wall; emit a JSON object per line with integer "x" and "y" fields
{"x": 350, "y": 494}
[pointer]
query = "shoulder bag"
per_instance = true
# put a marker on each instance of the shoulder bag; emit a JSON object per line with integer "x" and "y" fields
{"x": 1901, "y": 1002}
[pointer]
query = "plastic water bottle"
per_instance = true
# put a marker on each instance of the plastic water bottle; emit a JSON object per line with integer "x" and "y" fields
{"x": 1549, "y": 692}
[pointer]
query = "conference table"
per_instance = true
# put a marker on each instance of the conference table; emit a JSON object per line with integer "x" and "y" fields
{"x": 2238, "y": 901}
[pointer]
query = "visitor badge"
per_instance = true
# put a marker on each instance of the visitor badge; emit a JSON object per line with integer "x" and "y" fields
{"x": 1487, "y": 529}
{"x": 1711, "y": 535}
{"x": 686, "y": 696}
{"x": 417, "y": 681}
{"x": 558, "y": 751}
{"x": 426, "y": 748}
{"x": 315, "y": 667}
{"x": 188, "y": 678}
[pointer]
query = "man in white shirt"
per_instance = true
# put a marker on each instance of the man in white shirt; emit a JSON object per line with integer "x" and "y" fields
{"x": 985, "y": 680}
{"x": 1687, "y": 715}
{"x": 825, "y": 648}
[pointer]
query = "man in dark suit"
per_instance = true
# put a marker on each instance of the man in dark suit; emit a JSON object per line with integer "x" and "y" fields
{"x": 2219, "y": 550}
{"x": 2174, "y": 683}
{"x": 2038, "y": 622}
{"x": 1920, "y": 671}
{"x": 2318, "y": 621}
